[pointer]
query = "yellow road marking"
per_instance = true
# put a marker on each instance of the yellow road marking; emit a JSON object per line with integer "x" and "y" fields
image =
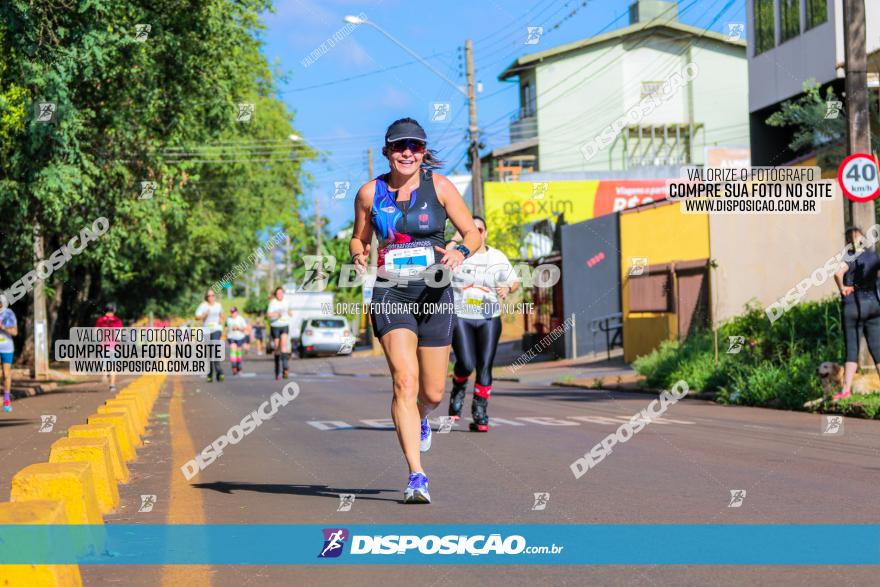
{"x": 185, "y": 505}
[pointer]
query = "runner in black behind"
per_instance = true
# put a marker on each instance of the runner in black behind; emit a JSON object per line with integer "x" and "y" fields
{"x": 412, "y": 309}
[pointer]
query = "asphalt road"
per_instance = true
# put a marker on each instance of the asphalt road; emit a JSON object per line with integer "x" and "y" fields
{"x": 335, "y": 438}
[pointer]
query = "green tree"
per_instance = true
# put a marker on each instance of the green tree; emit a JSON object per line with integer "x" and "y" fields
{"x": 129, "y": 110}
{"x": 814, "y": 130}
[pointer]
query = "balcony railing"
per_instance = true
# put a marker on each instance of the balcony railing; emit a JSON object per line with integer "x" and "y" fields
{"x": 523, "y": 128}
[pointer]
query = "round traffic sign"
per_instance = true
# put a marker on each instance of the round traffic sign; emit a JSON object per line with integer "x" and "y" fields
{"x": 858, "y": 177}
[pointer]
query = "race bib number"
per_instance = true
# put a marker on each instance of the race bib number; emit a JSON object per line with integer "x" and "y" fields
{"x": 476, "y": 302}
{"x": 3, "y": 338}
{"x": 409, "y": 261}
{"x": 212, "y": 325}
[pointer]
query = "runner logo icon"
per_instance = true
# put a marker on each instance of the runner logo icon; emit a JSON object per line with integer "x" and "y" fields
{"x": 334, "y": 541}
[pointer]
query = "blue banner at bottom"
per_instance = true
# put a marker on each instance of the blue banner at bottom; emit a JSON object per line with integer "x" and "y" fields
{"x": 533, "y": 544}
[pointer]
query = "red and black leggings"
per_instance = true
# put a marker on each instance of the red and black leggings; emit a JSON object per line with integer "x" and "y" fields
{"x": 475, "y": 343}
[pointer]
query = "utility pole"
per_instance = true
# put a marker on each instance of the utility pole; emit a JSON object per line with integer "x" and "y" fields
{"x": 858, "y": 129}
{"x": 858, "y": 133}
{"x": 287, "y": 258}
{"x": 476, "y": 170}
{"x": 374, "y": 243}
{"x": 318, "y": 225}
{"x": 41, "y": 345}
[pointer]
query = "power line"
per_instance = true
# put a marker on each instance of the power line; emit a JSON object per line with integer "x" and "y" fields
{"x": 361, "y": 75}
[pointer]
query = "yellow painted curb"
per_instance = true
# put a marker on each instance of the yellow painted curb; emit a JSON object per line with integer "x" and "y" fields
{"x": 130, "y": 404}
{"x": 96, "y": 452}
{"x": 120, "y": 429}
{"x": 120, "y": 469}
{"x": 143, "y": 401}
{"x": 146, "y": 402}
{"x": 128, "y": 418}
{"x": 68, "y": 482}
{"x": 37, "y": 512}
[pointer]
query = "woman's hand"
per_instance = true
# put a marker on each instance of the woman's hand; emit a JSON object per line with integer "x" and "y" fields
{"x": 452, "y": 258}
{"x": 360, "y": 260}
{"x": 847, "y": 290}
{"x": 502, "y": 292}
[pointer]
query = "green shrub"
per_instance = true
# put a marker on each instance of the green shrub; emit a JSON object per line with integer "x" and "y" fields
{"x": 861, "y": 405}
{"x": 776, "y": 366}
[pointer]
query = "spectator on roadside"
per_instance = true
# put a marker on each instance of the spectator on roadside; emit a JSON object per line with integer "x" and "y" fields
{"x": 8, "y": 329}
{"x": 109, "y": 320}
{"x": 857, "y": 282}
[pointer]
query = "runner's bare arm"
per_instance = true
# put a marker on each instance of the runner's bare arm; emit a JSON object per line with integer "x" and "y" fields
{"x": 362, "y": 233}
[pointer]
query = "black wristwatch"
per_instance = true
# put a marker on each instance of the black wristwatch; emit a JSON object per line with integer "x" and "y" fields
{"x": 463, "y": 250}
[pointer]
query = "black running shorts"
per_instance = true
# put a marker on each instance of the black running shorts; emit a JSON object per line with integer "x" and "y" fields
{"x": 430, "y": 315}
{"x": 277, "y": 331}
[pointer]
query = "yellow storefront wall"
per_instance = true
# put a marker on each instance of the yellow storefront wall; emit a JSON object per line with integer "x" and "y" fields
{"x": 515, "y": 203}
{"x": 662, "y": 234}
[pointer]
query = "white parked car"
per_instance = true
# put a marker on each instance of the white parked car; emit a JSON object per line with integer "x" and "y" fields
{"x": 325, "y": 335}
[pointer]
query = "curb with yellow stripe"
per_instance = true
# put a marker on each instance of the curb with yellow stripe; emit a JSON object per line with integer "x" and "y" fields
{"x": 79, "y": 483}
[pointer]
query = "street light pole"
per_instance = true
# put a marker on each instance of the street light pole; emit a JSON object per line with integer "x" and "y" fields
{"x": 469, "y": 93}
{"x": 474, "y": 148}
{"x": 359, "y": 20}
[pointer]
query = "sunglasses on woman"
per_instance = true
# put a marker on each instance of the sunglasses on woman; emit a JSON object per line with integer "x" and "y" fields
{"x": 404, "y": 144}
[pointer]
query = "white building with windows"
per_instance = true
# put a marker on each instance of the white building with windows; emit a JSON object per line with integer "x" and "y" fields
{"x": 789, "y": 43}
{"x": 574, "y": 93}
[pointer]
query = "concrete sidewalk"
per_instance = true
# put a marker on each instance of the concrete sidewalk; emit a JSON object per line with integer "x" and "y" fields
{"x": 27, "y": 433}
{"x": 590, "y": 371}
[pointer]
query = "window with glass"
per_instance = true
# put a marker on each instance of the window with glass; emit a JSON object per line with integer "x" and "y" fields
{"x": 765, "y": 26}
{"x": 328, "y": 323}
{"x": 790, "y": 15}
{"x": 817, "y": 13}
{"x": 528, "y": 108}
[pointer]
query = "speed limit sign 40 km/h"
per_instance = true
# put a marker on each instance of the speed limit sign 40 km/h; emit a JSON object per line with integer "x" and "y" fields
{"x": 858, "y": 177}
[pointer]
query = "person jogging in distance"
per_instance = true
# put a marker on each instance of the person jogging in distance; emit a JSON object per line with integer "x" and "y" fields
{"x": 109, "y": 320}
{"x": 480, "y": 285}
{"x": 210, "y": 312}
{"x": 237, "y": 330}
{"x": 8, "y": 329}
{"x": 857, "y": 282}
{"x": 412, "y": 306}
{"x": 258, "y": 329}
{"x": 279, "y": 313}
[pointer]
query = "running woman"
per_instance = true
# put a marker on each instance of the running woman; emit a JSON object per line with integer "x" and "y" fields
{"x": 258, "y": 333}
{"x": 857, "y": 282}
{"x": 109, "y": 320}
{"x": 279, "y": 313}
{"x": 236, "y": 333}
{"x": 412, "y": 309}
{"x": 480, "y": 285}
{"x": 210, "y": 312}
{"x": 8, "y": 329}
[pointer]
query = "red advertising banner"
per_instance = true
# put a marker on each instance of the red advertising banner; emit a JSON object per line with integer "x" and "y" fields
{"x": 620, "y": 194}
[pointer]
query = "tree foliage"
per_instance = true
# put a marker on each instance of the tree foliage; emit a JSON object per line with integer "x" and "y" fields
{"x": 129, "y": 110}
{"x": 817, "y": 130}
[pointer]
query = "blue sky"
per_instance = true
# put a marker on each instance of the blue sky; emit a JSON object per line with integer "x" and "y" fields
{"x": 343, "y": 117}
